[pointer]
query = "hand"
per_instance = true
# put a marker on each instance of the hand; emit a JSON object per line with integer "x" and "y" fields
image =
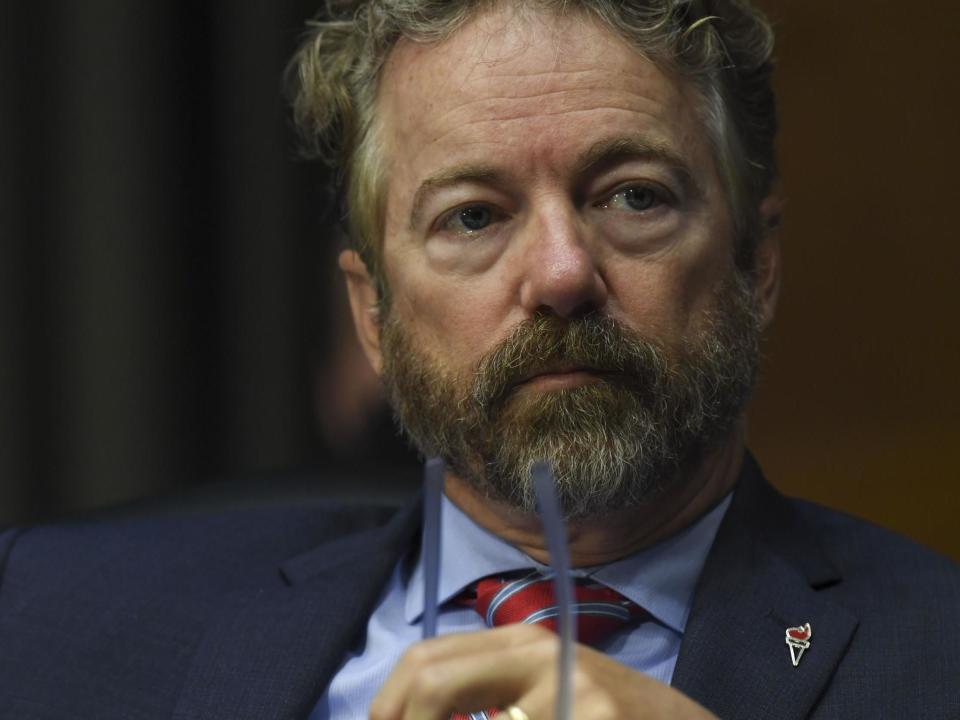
{"x": 517, "y": 665}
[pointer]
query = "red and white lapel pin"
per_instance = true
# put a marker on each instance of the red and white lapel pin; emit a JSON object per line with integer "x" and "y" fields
{"x": 798, "y": 640}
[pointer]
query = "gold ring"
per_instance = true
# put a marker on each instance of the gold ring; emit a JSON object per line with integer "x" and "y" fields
{"x": 515, "y": 713}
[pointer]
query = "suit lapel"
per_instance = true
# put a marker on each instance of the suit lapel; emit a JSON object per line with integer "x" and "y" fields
{"x": 269, "y": 654}
{"x": 763, "y": 575}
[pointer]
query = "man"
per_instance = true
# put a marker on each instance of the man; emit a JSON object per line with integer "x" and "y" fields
{"x": 564, "y": 218}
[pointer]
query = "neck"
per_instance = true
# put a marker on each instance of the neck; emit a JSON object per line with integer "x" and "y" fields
{"x": 600, "y": 540}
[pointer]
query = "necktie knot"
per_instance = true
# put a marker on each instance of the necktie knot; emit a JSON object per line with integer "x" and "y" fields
{"x": 598, "y": 610}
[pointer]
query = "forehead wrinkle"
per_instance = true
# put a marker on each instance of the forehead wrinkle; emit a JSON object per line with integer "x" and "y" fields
{"x": 543, "y": 83}
{"x": 553, "y": 72}
{"x": 519, "y": 68}
{"x": 620, "y": 139}
{"x": 500, "y": 108}
{"x": 543, "y": 94}
{"x": 568, "y": 94}
{"x": 636, "y": 116}
{"x": 554, "y": 113}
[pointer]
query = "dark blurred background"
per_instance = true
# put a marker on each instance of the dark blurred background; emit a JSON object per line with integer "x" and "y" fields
{"x": 171, "y": 319}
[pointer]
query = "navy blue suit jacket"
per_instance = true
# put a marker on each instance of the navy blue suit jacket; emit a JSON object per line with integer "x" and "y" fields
{"x": 248, "y": 614}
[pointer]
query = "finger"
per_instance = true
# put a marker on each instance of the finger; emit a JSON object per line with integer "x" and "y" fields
{"x": 470, "y": 684}
{"x": 590, "y": 698}
{"x": 454, "y": 659}
{"x": 540, "y": 700}
{"x": 389, "y": 701}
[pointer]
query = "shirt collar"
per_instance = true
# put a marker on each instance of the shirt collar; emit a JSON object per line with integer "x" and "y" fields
{"x": 468, "y": 552}
{"x": 660, "y": 578}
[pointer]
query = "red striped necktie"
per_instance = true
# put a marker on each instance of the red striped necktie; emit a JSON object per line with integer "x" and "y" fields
{"x": 598, "y": 610}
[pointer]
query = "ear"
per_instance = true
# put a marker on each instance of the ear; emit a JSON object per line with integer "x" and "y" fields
{"x": 767, "y": 258}
{"x": 363, "y": 306}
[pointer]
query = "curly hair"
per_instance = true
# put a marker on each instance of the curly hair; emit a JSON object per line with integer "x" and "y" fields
{"x": 723, "y": 46}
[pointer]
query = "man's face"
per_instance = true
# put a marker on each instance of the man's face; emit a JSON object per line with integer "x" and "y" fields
{"x": 559, "y": 255}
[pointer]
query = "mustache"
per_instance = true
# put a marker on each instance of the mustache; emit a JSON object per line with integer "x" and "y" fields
{"x": 547, "y": 343}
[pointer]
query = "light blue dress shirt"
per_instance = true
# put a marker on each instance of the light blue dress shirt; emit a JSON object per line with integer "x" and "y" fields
{"x": 660, "y": 579}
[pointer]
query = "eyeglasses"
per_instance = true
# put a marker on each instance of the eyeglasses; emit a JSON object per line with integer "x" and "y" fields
{"x": 551, "y": 518}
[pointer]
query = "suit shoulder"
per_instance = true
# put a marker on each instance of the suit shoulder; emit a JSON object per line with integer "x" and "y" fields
{"x": 211, "y": 547}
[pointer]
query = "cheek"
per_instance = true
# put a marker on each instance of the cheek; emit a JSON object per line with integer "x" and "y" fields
{"x": 652, "y": 303}
{"x": 667, "y": 296}
{"x": 710, "y": 261}
{"x": 457, "y": 318}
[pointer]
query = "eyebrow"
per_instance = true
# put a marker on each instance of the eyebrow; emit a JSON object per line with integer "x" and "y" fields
{"x": 607, "y": 154}
{"x": 459, "y": 174}
{"x": 600, "y": 156}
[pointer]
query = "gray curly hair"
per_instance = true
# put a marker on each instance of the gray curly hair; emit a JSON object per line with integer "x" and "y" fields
{"x": 723, "y": 46}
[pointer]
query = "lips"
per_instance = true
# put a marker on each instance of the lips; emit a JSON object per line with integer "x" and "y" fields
{"x": 556, "y": 370}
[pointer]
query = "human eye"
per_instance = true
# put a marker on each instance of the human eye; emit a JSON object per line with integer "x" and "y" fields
{"x": 469, "y": 219}
{"x": 638, "y": 198}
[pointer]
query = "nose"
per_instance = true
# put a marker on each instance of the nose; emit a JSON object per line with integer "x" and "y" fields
{"x": 561, "y": 274}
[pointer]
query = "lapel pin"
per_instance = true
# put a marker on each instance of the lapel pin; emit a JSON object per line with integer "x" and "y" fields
{"x": 798, "y": 640}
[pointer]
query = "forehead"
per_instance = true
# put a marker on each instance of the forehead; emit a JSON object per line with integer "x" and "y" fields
{"x": 526, "y": 90}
